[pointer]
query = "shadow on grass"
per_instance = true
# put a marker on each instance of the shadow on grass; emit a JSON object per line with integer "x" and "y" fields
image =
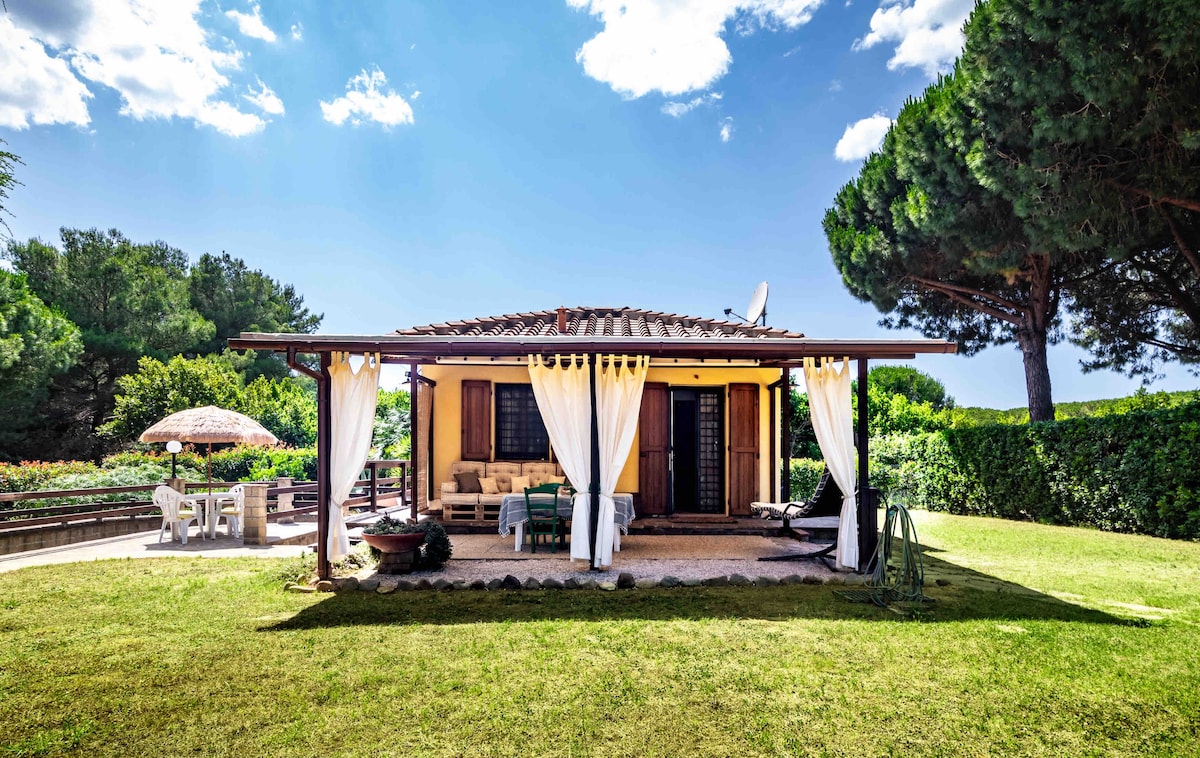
{"x": 968, "y": 596}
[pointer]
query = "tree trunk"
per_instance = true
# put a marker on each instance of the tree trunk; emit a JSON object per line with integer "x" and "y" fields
{"x": 1037, "y": 374}
{"x": 1031, "y": 336}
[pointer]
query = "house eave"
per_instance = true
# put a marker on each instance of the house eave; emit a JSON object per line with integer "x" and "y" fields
{"x": 407, "y": 348}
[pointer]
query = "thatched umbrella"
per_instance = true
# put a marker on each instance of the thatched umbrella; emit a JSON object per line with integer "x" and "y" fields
{"x": 208, "y": 425}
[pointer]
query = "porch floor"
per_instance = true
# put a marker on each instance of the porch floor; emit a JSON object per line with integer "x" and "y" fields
{"x": 486, "y": 557}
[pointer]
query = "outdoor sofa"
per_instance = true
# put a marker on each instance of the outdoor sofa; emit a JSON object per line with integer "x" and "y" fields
{"x": 485, "y": 506}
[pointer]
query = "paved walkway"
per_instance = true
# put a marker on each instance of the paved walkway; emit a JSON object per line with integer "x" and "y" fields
{"x": 146, "y": 545}
{"x": 474, "y": 554}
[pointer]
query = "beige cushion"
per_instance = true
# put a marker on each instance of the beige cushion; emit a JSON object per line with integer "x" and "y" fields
{"x": 503, "y": 474}
{"x": 496, "y": 499}
{"x": 449, "y": 488}
{"x": 539, "y": 472}
{"x": 460, "y": 466}
{"x": 558, "y": 479}
{"x": 460, "y": 498}
{"x": 488, "y": 485}
{"x": 520, "y": 484}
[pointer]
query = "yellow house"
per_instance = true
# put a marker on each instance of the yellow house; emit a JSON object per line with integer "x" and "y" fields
{"x": 711, "y": 434}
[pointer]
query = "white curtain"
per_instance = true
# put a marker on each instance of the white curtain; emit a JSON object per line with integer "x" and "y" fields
{"x": 564, "y": 399}
{"x": 618, "y": 402}
{"x": 352, "y": 410}
{"x": 829, "y": 403}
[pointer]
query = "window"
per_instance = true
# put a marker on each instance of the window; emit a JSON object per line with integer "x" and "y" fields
{"x": 520, "y": 433}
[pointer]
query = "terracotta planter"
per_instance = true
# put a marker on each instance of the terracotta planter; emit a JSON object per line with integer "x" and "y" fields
{"x": 399, "y": 551}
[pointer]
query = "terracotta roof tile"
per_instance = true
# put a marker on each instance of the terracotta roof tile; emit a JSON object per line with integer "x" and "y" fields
{"x": 599, "y": 322}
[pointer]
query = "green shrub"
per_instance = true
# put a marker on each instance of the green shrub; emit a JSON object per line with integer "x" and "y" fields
{"x": 1136, "y": 472}
{"x": 244, "y": 463}
{"x": 232, "y": 464}
{"x": 30, "y": 476}
{"x": 434, "y": 551}
{"x": 804, "y": 475}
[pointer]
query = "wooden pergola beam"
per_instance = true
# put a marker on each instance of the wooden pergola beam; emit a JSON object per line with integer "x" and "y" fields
{"x": 775, "y": 352}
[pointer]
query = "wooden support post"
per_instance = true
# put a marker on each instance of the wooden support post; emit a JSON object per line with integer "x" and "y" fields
{"x": 254, "y": 515}
{"x": 374, "y": 485}
{"x": 404, "y": 482}
{"x": 772, "y": 391}
{"x": 414, "y": 436}
{"x": 595, "y": 488}
{"x": 868, "y": 519}
{"x": 786, "y": 442}
{"x": 324, "y": 443}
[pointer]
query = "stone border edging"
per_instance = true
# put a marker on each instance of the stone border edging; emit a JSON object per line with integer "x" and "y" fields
{"x": 624, "y": 581}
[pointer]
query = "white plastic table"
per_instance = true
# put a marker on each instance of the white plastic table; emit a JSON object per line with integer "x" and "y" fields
{"x": 212, "y": 507}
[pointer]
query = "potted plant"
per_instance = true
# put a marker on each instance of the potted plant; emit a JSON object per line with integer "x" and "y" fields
{"x": 403, "y": 546}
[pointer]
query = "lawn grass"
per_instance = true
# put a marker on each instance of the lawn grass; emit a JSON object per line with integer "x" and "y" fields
{"x": 1046, "y": 641}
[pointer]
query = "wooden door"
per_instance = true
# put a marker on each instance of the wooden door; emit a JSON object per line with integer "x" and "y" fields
{"x": 743, "y": 448}
{"x": 653, "y": 450}
{"x": 476, "y": 420}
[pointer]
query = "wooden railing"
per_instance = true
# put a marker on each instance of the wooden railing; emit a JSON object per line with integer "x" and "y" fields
{"x": 285, "y": 499}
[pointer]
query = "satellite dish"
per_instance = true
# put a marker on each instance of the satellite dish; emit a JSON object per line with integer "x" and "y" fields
{"x": 758, "y": 305}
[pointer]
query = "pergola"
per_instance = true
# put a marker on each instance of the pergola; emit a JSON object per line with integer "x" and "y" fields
{"x": 415, "y": 350}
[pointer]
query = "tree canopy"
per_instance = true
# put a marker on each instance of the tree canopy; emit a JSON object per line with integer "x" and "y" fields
{"x": 1089, "y": 124}
{"x": 36, "y": 343}
{"x": 1056, "y": 169}
{"x": 8, "y": 162}
{"x": 133, "y": 300}
{"x": 236, "y": 299}
{"x": 916, "y": 386}
{"x": 157, "y": 389}
{"x": 922, "y": 239}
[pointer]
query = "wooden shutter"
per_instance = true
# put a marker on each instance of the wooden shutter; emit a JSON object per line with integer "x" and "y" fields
{"x": 476, "y": 420}
{"x": 743, "y": 448}
{"x": 653, "y": 446}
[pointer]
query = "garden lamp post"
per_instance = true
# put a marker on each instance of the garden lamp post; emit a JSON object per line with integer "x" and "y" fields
{"x": 173, "y": 447}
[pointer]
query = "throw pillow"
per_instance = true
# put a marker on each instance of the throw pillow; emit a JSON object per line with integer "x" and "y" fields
{"x": 520, "y": 483}
{"x": 558, "y": 479}
{"x": 468, "y": 482}
{"x": 489, "y": 486}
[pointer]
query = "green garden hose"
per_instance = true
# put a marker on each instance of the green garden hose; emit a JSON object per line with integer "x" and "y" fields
{"x": 898, "y": 574}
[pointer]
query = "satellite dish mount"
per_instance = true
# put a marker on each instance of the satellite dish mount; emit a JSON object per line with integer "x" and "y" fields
{"x": 758, "y": 307}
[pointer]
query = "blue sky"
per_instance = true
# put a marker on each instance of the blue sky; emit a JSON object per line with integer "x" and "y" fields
{"x": 405, "y": 163}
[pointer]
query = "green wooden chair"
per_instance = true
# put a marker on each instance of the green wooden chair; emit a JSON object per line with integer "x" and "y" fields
{"x": 544, "y": 520}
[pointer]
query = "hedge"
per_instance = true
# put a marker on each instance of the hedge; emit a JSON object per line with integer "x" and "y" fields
{"x": 233, "y": 464}
{"x": 1137, "y": 473}
{"x": 804, "y": 475}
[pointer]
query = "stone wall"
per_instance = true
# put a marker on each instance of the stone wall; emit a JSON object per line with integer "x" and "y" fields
{"x": 38, "y": 538}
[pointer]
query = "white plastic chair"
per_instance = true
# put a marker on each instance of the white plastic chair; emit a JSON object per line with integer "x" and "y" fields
{"x": 233, "y": 512}
{"x": 174, "y": 514}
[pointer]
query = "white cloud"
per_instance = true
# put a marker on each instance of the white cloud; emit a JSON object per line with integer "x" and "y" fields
{"x": 862, "y": 138}
{"x": 365, "y": 99}
{"x": 35, "y": 87}
{"x": 674, "y": 46}
{"x": 297, "y": 31}
{"x": 155, "y": 55}
{"x": 266, "y": 99}
{"x": 252, "y": 25}
{"x": 928, "y": 33}
{"x": 835, "y": 85}
{"x": 677, "y": 109}
{"x": 726, "y": 128}
{"x": 416, "y": 93}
